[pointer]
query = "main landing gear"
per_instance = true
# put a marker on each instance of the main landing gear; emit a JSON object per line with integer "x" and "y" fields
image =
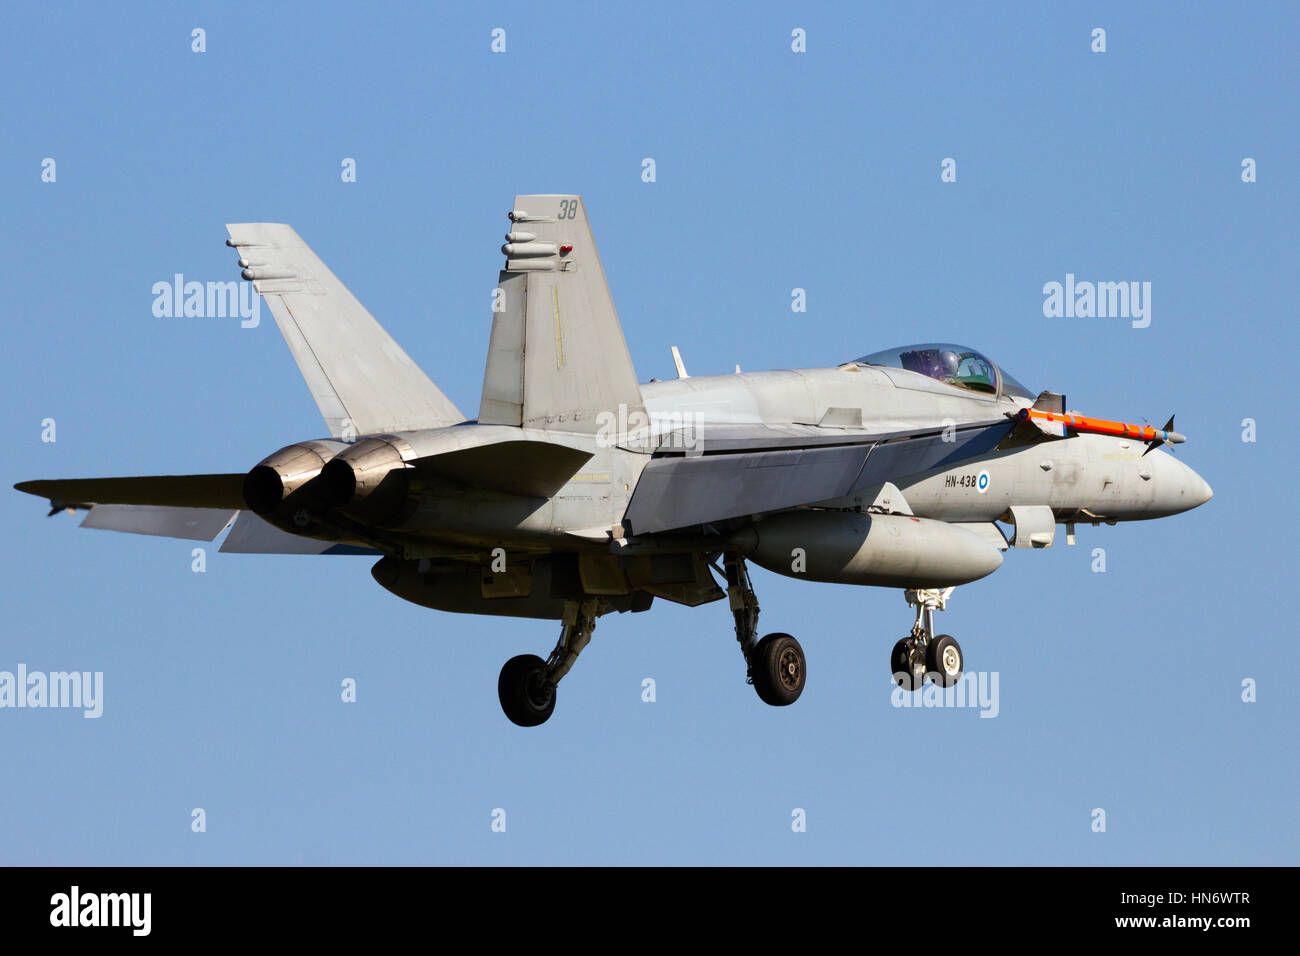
{"x": 527, "y": 685}
{"x": 922, "y": 655}
{"x": 775, "y": 665}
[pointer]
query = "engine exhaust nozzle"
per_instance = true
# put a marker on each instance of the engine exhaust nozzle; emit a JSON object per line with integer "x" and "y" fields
{"x": 278, "y": 476}
{"x": 371, "y": 479}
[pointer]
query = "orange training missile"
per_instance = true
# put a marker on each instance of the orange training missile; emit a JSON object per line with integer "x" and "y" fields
{"x": 1101, "y": 426}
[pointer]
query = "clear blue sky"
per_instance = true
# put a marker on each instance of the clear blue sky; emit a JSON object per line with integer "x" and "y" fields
{"x": 775, "y": 170}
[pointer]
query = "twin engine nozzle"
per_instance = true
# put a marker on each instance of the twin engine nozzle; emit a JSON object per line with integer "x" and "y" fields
{"x": 281, "y": 475}
{"x": 368, "y": 479}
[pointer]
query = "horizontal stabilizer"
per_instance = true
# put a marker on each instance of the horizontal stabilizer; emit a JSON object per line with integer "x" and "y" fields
{"x": 534, "y": 469}
{"x": 195, "y": 524}
{"x": 252, "y": 535}
{"x": 362, "y": 380}
{"x": 180, "y": 491}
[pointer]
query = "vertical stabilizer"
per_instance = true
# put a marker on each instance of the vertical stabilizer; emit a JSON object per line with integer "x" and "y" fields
{"x": 361, "y": 379}
{"x": 557, "y": 358}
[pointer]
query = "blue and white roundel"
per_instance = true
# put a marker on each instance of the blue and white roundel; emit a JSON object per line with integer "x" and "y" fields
{"x": 982, "y": 482}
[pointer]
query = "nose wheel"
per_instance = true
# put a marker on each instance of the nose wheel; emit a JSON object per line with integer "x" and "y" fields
{"x": 907, "y": 664}
{"x": 922, "y": 655}
{"x": 943, "y": 660}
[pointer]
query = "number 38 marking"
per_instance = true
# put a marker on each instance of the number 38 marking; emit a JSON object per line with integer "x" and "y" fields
{"x": 568, "y": 209}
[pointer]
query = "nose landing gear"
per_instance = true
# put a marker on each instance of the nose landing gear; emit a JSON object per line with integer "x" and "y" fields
{"x": 922, "y": 655}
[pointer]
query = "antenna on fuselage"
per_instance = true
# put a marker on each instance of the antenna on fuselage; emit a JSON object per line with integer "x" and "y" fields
{"x": 681, "y": 366}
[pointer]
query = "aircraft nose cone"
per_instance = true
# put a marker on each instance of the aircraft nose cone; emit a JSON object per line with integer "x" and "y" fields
{"x": 1202, "y": 492}
{"x": 1179, "y": 488}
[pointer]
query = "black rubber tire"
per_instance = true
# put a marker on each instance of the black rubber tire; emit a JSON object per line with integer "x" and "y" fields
{"x": 900, "y": 666}
{"x": 934, "y": 660}
{"x": 779, "y": 668}
{"x": 517, "y": 688}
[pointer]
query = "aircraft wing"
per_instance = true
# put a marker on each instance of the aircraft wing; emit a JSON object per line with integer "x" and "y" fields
{"x": 738, "y": 475}
{"x": 193, "y": 507}
{"x": 196, "y": 507}
{"x": 185, "y": 491}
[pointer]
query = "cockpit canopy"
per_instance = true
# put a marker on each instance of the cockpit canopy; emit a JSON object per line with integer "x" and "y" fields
{"x": 954, "y": 365}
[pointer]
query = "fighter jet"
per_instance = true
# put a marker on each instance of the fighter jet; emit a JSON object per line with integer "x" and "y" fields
{"x": 576, "y": 491}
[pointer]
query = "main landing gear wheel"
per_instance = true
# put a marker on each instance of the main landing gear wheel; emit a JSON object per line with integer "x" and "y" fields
{"x": 523, "y": 688}
{"x": 527, "y": 685}
{"x": 943, "y": 660}
{"x": 775, "y": 665}
{"x": 779, "y": 669}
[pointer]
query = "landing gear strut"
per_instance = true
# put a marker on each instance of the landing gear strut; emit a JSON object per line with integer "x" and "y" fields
{"x": 922, "y": 654}
{"x": 775, "y": 665}
{"x": 527, "y": 685}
